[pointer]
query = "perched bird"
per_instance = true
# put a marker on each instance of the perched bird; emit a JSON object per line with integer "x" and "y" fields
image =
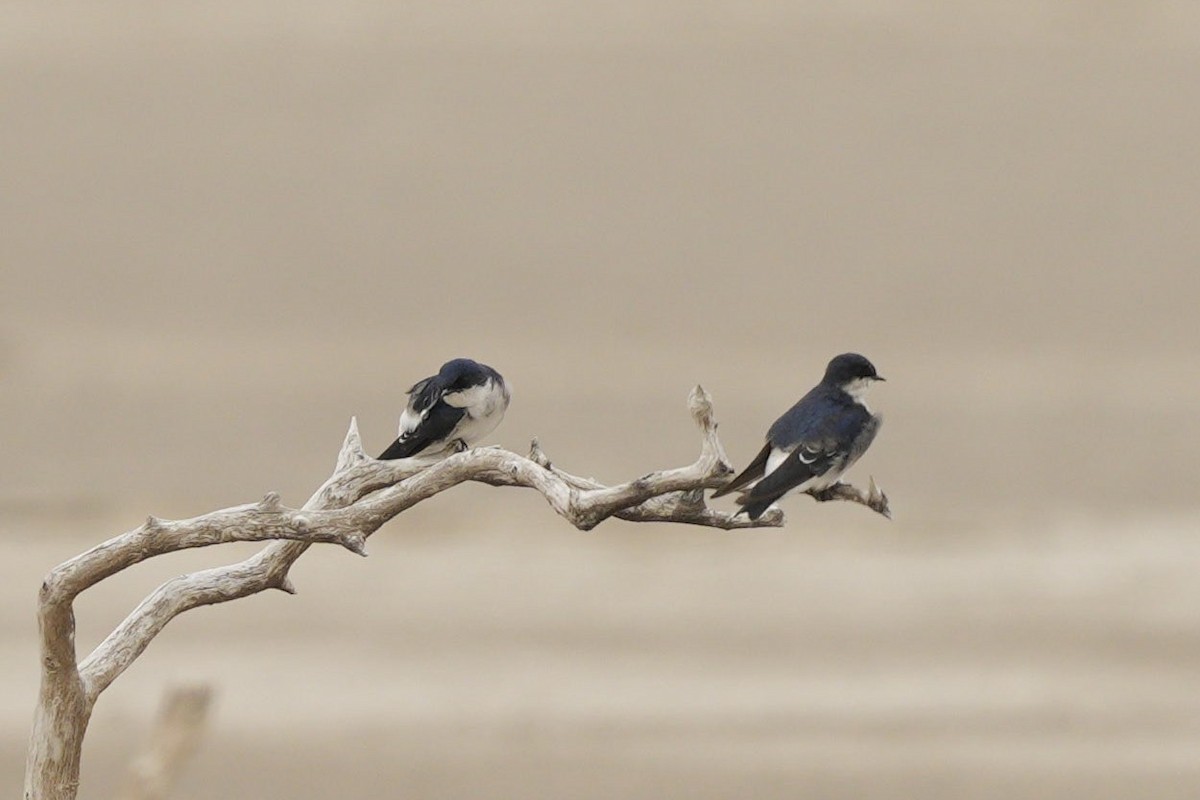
{"x": 816, "y": 440}
{"x": 454, "y": 409}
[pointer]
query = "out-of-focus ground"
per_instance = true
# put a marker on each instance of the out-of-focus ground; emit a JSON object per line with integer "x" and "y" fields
{"x": 226, "y": 228}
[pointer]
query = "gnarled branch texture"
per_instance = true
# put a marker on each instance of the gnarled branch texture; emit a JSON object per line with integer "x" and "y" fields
{"x": 360, "y": 497}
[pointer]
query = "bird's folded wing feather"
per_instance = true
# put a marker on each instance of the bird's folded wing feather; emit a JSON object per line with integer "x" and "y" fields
{"x": 753, "y": 471}
{"x": 808, "y": 460}
{"x": 425, "y": 420}
{"x": 421, "y": 398}
{"x": 815, "y": 444}
{"x": 436, "y": 425}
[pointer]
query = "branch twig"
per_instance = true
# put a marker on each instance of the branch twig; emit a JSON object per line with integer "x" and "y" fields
{"x": 873, "y": 498}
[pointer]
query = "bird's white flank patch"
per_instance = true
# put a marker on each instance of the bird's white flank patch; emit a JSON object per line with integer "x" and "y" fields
{"x": 776, "y": 457}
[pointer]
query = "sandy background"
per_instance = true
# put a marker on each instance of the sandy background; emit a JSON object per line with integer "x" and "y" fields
{"x": 228, "y": 227}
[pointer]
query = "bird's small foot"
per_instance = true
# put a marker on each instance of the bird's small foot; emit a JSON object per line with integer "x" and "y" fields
{"x": 835, "y": 492}
{"x": 459, "y": 446}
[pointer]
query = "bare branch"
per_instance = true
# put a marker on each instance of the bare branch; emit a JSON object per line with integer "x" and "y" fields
{"x": 254, "y": 522}
{"x": 361, "y": 496}
{"x": 873, "y": 498}
{"x": 689, "y": 508}
{"x": 686, "y": 507}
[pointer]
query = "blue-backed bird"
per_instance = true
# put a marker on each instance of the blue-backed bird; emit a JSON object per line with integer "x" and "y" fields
{"x": 450, "y": 411}
{"x": 815, "y": 441}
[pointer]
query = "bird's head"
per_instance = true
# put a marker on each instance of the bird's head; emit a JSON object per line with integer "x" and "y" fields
{"x": 851, "y": 373}
{"x": 462, "y": 373}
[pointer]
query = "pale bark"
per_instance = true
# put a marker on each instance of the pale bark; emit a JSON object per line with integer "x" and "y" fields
{"x": 360, "y": 496}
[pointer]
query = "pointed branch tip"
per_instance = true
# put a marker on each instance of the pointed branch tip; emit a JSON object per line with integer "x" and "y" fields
{"x": 356, "y": 543}
{"x": 700, "y": 404}
{"x": 537, "y": 455}
{"x": 352, "y": 447}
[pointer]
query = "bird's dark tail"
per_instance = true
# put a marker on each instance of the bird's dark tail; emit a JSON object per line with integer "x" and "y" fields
{"x": 754, "y": 507}
{"x": 757, "y": 509}
{"x": 752, "y": 472}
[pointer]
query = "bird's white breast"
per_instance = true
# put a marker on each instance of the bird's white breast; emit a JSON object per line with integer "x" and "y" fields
{"x": 485, "y": 406}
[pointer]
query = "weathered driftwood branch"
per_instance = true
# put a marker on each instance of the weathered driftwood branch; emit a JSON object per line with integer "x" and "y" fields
{"x": 171, "y": 743}
{"x": 873, "y": 498}
{"x": 360, "y": 496}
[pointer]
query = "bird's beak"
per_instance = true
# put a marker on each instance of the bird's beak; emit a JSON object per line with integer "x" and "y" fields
{"x": 880, "y": 378}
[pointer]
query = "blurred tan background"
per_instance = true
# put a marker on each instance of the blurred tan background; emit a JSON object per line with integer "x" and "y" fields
{"x": 228, "y": 227}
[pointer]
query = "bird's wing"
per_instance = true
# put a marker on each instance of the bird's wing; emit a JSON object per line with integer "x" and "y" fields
{"x": 814, "y": 446}
{"x": 421, "y": 398}
{"x": 753, "y": 471}
{"x": 437, "y": 424}
{"x": 808, "y": 460}
{"x": 426, "y": 419}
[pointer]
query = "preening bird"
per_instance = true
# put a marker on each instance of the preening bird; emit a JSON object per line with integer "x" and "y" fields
{"x": 815, "y": 441}
{"x": 452, "y": 410}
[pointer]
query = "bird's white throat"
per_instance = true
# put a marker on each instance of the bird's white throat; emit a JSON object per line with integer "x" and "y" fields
{"x": 857, "y": 389}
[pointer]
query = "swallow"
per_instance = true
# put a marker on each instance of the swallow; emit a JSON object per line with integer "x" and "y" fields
{"x": 450, "y": 411}
{"x": 811, "y": 446}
